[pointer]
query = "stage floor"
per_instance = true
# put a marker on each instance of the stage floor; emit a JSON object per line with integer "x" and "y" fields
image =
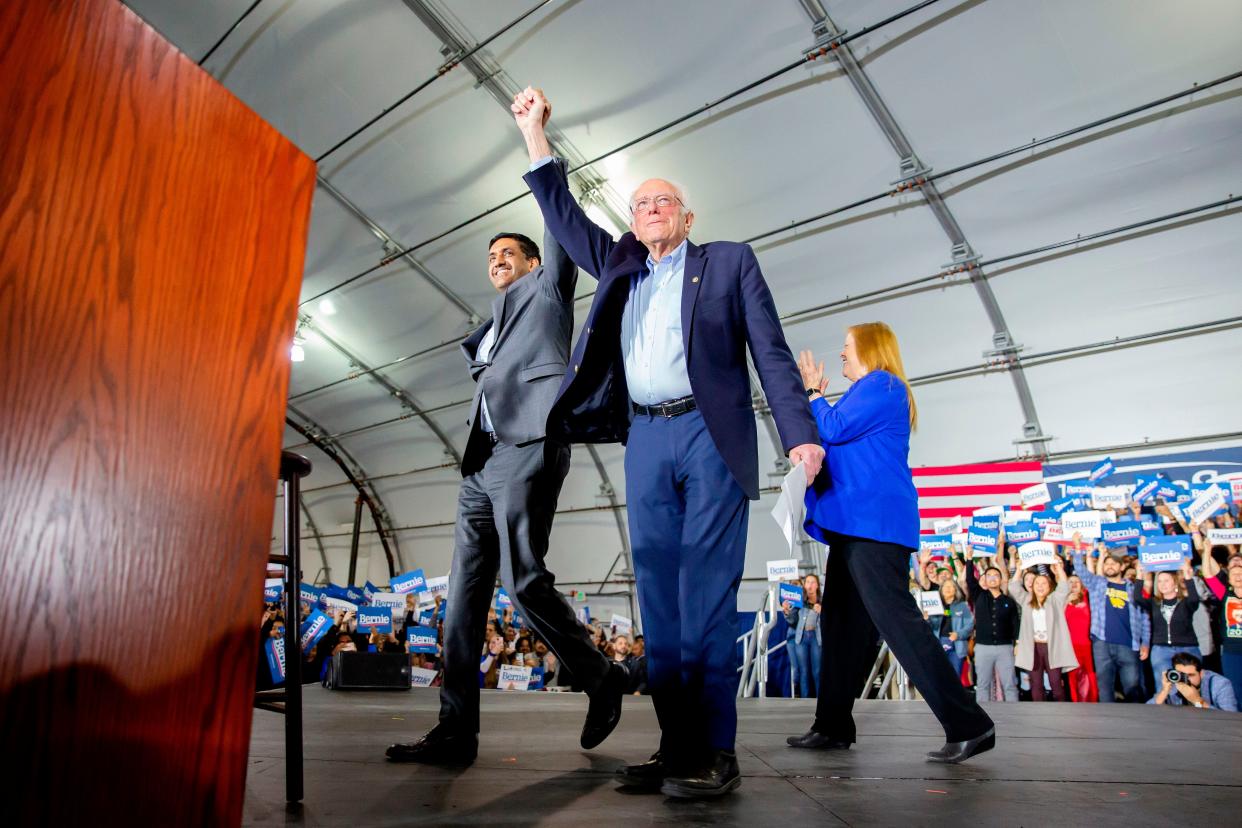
{"x": 1070, "y": 764}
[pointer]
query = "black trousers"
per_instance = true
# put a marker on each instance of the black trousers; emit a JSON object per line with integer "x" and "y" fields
{"x": 866, "y": 597}
{"x": 504, "y": 516}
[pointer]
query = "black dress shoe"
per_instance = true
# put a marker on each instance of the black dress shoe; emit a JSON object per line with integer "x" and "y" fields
{"x": 720, "y": 776}
{"x": 650, "y": 774}
{"x": 605, "y": 709}
{"x": 439, "y": 747}
{"x": 955, "y": 752}
{"x": 814, "y": 740}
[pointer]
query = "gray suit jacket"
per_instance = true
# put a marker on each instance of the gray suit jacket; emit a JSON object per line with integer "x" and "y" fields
{"x": 534, "y": 322}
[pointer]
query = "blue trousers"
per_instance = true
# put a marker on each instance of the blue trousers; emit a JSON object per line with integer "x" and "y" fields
{"x": 1162, "y": 659}
{"x": 795, "y": 664}
{"x": 808, "y": 663}
{"x": 687, "y": 519}
{"x": 1113, "y": 662}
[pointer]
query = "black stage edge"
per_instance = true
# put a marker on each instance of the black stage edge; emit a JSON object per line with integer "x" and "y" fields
{"x": 1055, "y": 764}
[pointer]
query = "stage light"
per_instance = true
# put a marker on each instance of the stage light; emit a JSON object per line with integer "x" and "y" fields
{"x": 326, "y": 307}
{"x": 297, "y": 353}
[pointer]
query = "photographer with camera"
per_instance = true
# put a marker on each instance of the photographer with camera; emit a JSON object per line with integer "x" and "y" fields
{"x": 1187, "y": 683}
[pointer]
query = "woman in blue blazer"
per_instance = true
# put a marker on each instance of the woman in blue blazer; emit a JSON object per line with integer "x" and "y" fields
{"x": 863, "y": 505}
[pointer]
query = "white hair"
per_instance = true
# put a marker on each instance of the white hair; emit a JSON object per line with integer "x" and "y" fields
{"x": 678, "y": 190}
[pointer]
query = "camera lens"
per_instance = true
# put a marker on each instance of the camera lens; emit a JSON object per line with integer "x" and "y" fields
{"x": 1175, "y": 676}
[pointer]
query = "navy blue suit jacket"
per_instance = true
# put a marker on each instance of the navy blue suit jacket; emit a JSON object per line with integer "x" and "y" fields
{"x": 725, "y": 307}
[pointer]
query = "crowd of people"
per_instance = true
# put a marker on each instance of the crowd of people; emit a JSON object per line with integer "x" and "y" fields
{"x": 1091, "y": 626}
{"x": 508, "y": 642}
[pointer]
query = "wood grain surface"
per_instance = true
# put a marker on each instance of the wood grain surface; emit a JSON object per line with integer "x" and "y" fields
{"x": 152, "y": 235}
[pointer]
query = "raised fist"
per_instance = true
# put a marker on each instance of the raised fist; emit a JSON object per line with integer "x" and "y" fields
{"x": 530, "y": 108}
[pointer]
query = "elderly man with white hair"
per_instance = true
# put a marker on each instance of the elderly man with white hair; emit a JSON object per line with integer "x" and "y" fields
{"x": 661, "y": 367}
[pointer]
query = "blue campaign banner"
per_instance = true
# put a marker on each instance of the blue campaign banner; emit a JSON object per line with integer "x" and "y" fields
{"x": 989, "y": 523}
{"x": 427, "y": 616}
{"x": 337, "y": 591}
{"x": 1102, "y": 471}
{"x": 271, "y": 594}
{"x": 982, "y": 540}
{"x": 1042, "y": 519}
{"x": 369, "y": 590}
{"x": 536, "y": 679}
{"x": 412, "y": 581}
{"x": 1064, "y": 504}
{"x": 309, "y": 595}
{"x": 935, "y": 543}
{"x": 356, "y": 596}
{"x": 1161, "y": 556}
{"x": 503, "y": 601}
{"x": 313, "y": 628}
{"x": 1150, "y": 523}
{"x": 791, "y": 593}
{"x": 1178, "y": 469}
{"x": 1121, "y": 533}
{"x": 422, "y": 639}
{"x": 1144, "y": 488}
{"x": 275, "y": 650}
{"x": 378, "y": 619}
{"x": 1024, "y": 532}
{"x": 1076, "y": 489}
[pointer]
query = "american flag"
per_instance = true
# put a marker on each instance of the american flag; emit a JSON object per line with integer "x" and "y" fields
{"x": 946, "y": 491}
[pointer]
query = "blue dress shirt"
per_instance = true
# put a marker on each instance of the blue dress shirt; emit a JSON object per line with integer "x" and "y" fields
{"x": 651, "y": 335}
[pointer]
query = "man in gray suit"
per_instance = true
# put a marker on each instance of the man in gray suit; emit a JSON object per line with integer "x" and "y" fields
{"x": 512, "y": 474}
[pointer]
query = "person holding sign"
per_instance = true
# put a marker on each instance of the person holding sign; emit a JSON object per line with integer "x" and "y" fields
{"x": 1044, "y": 645}
{"x": 805, "y": 640}
{"x": 954, "y": 626}
{"x": 1170, "y": 599}
{"x": 512, "y": 470}
{"x": 865, "y": 507}
{"x": 1226, "y": 587}
{"x": 1120, "y": 630}
{"x": 661, "y": 366}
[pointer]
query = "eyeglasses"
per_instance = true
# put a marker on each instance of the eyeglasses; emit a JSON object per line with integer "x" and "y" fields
{"x": 644, "y": 205}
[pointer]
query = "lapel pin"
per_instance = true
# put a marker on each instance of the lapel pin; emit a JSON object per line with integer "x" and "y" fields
{"x": 695, "y": 280}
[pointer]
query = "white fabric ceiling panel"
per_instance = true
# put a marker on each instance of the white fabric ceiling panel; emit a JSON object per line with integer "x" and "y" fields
{"x": 967, "y": 420}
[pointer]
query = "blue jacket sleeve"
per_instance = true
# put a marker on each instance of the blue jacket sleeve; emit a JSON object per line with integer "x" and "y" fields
{"x": 778, "y": 373}
{"x": 1223, "y": 696}
{"x": 587, "y": 243}
{"x": 863, "y": 412}
{"x": 1089, "y": 579}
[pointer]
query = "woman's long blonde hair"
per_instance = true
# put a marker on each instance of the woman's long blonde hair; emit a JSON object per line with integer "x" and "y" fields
{"x": 876, "y": 346}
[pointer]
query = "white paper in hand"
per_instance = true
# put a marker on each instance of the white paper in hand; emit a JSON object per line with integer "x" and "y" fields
{"x": 789, "y": 507}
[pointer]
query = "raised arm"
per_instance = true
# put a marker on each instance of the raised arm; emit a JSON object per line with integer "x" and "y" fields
{"x": 587, "y": 243}
{"x": 864, "y": 411}
{"x": 560, "y": 274}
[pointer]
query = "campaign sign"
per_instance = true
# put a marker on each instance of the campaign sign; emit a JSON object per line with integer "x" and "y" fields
{"x": 1042, "y": 519}
{"x": 622, "y": 625}
{"x": 369, "y": 590}
{"x": 784, "y": 570}
{"x": 1183, "y": 542}
{"x": 1015, "y": 516}
{"x": 1121, "y": 533}
{"x": 930, "y": 603}
{"x": 987, "y": 523}
{"x": 313, "y": 628}
{"x": 1022, "y": 533}
{"x": 1036, "y": 495}
{"x": 356, "y": 595}
{"x": 338, "y": 604}
{"x": 1208, "y": 503}
{"x": 336, "y": 591}
{"x": 948, "y": 527}
{"x": 536, "y": 678}
{"x": 421, "y": 639}
{"x": 412, "y": 581}
{"x": 1225, "y": 537}
{"x": 1145, "y": 489}
{"x": 790, "y": 593}
{"x": 1150, "y": 524}
{"x": 1102, "y": 471}
{"x": 422, "y": 677}
{"x": 1053, "y": 533}
{"x": 1108, "y": 516}
{"x": 1085, "y": 524}
{"x": 503, "y": 601}
{"x": 272, "y": 593}
{"x": 438, "y": 586}
{"x": 982, "y": 541}
{"x": 1109, "y": 497}
{"x": 308, "y": 595}
{"x": 984, "y": 511}
{"x": 584, "y": 614}
{"x": 275, "y": 650}
{"x": 1035, "y": 553}
{"x": 1161, "y": 557}
{"x": 378, "y": 619}
{"x": 935, "y": 543}
{"x": 1197, "y": 489}
{"x": 1168, "y": 489}
{"x": 427, "y": 616}
{"x": 1235, "y": 489}
{"x": 513, "y": 677}
{"x": 394, "y": 602}
{"x": 1065, "y": 504}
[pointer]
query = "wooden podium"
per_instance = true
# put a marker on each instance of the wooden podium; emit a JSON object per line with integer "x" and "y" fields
{"x": 152, "y": 235}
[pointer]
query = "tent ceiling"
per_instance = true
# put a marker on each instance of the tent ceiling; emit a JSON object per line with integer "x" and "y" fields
{"x": 962, "y": 79}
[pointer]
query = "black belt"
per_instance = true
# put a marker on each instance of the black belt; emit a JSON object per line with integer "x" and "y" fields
{"x": 671, "y": 408}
